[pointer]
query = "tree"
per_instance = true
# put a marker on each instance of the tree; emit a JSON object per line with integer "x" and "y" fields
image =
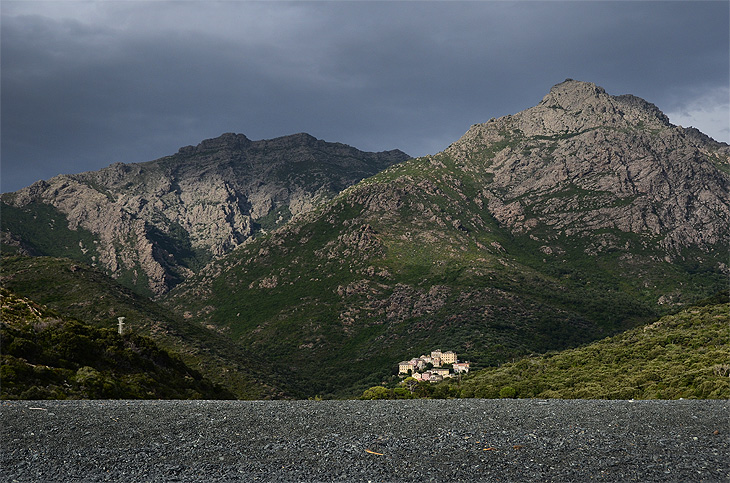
{"x": 402, "y": 393}
{"x": 507, "y": 392}
{"x": 410, "y": 383}
{"x": 376, "y": 392}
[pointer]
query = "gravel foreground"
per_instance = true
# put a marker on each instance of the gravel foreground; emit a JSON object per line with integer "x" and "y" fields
{"x": 421, "y": 440}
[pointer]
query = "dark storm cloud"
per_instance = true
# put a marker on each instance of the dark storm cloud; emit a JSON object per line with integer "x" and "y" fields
{"x": 88, "y": 84}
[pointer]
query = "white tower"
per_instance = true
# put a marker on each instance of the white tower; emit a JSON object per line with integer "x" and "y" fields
{"x": 121, "y": 324}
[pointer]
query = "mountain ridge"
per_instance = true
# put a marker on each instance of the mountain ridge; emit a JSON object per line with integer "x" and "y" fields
{"x": 153, "y": 224}
{"x": 638, "y": 140}
{"x": 503, "y": 244}
{"x": 571, "y": 221}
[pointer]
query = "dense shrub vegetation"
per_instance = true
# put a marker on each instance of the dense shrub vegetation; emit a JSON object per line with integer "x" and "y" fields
{"x": 679, "y": 356}
{"x": 45, "y": 356}
{"x": 79, "y": 292}
{"x": 684, "y": 355}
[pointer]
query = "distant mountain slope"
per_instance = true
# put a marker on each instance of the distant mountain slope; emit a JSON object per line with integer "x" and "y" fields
{"x": 46, "y": 356}
{"x": 679, "y": 356}
{"x": 77, "y": 291}
{"x": 151, "y": 225}
{"x": 565, "y": 223}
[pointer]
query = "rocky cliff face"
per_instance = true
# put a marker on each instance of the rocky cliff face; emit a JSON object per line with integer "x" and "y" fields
{"x": 152, "y": 224}
{"x": 584, "y": 162}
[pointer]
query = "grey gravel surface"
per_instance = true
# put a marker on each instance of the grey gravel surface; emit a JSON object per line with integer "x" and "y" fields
{"x": 423, "y": 440}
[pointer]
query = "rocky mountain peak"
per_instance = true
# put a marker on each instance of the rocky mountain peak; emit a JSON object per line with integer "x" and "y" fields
{"x": 154, "y": 223}
{"x": 571, "y": 95}
{"x": 224, "y": 141}
{"x": 647, "y": 108}
{"x": 624, "y": 166}
{"x": 570, "y": 108}
{"x": 575, "y": 106}
{"x": 299, "y": 138}
{"x": 574, "y": 96}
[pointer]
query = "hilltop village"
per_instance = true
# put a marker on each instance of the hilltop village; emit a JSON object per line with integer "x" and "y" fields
{"x": 433, "y": 368}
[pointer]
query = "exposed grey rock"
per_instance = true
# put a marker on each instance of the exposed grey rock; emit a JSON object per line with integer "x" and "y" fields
{"x": 153, "y": 219}
{"x": 583, "y": 161}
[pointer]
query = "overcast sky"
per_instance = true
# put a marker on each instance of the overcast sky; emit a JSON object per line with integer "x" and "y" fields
{"x": 87, "y": 84}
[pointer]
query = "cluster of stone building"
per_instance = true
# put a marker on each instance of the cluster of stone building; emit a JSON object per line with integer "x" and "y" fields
{"x": 416, "y": 367}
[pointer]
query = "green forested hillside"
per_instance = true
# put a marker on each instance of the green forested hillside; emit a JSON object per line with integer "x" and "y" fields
{"x": 77, "y": 291}
{"x": 685, "y": 355}
{"x": 46, "y": 356}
